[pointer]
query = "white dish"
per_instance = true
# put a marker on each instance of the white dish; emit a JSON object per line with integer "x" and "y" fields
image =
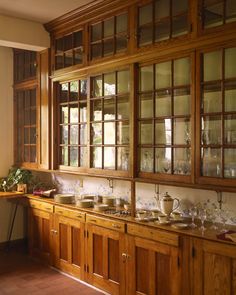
{"x": 166, "y": 222}
{"x": 145, "y": 219}
{"x": 85, "y": 203}
{"x": 180, "y": 225}
{"x": 101, "y": 207}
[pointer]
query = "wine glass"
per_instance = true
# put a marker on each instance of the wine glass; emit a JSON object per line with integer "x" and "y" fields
{"x": 223, "y": 218}
{"x": 202, "y": 213}
{"x": 193, "y": 214}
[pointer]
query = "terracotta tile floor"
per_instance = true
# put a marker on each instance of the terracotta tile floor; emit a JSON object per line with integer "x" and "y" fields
{"x": 20, "y": 275}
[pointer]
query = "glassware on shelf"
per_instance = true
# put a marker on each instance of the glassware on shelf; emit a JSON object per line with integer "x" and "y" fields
{"x": 193, "y": 211}
{"x": 213, "y": 214}
{"x": 224, "y": 216}
{"x": 202, "y": 214}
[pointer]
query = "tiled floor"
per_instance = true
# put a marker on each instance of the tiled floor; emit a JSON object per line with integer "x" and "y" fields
{"x": 20, "y": 275}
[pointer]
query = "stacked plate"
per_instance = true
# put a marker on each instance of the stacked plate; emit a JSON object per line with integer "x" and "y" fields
{"x": 101, "y": 207}
{"x": 84, "y": 203}
{"x": 64, "y": 198}
{"x": 107, "y": 200}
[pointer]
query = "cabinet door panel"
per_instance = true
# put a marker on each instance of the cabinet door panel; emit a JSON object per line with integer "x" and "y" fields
{"x": 63, "y": 238}
{"x": 76, "y": 240}
{"x": 105, "y": 268}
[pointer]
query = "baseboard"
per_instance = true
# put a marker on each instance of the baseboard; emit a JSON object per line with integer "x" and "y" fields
{"x": 14, "y": 244}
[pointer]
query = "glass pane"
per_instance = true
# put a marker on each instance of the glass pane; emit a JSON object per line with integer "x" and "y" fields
{"x": 74, "y": 88}
{"x": 64, "y": 135}
{"x": 123, "y": 82}
{"x": 33, "y": 154}
{"x": 96, "y": 157}
{"x": 59, "y": 61}
{"x": 230, "y": 163}
{"x": 230, "y": 68}
{"x": 213, "y": 15}
{"x": 230, "y": 96}
{"x": 121, "y": 23}
{"x": 163, "y": 131}
{"x": 212, "y": 66}
{"x": 27, "y": 117}
{"x": 78, "y": 39}
{"x": 33, "y": 98}
{"x": 122, "y": 133}
{"x": 68, "y": 42}
{"x": 83, "y": 111}
{"x": 146, "y": 132}
{"x": 123, "y": 108}
{"x": 96, "y": 110}
{"x": 212, "y": 98}
{"x": 211, "y": 130}
{"x": 230, "y": 129}
{"x": 74, "y": 134}
{"x": 121, "y": 43}
{"x": 96, "y": 133}
{"x": 109, "y": 109}
{"x": 96, "y": 50}
{"x": 146, "y": 106}
{"x": 163, "y": 75}
{"x": 108, "y": 29}
{"x": 33, "y": 135}
{"x": 26, "y": 135}
{"x": 162, "y": 8}
{"x": 108, "y": 47}
{"x": 145, "y": 14}
{"x": 64, "y": 156}
{"x": 83, "y": 89}
{"x": 163, "y": 160}
{"x": 162, "y": 30}
{"x": 96, "y": 32}
{"x": 163, "y": 103}
{"x": 109, "y": 133}
{"x": 180, "y": 25}
{"x": 59, "y": 45}
{"x": 179, "y": 6}
{"x": 211, "y": 162}
{"x": 83, "y": 156}
{"x": 78, "y": 57}
{"x": 182, "y": 101}
{"x": 109, "y": 158}
{"x": 146, "y": 159}
{"x": 83, "y": 134}
{"x": 182, "y": 161}
{"x": 68, "y": 58}
{"x": 74, "y": 113}
{"x": 146, "y": 78}
{"x": 74, "y": 160}
{"x": 26, "y": 154}
{"x": 110, "y": 84}
{"x": 122, "y": 158}
{"x": 145, "y": 35}
{"x": 64, "y": 92}
{"x": 182, "y": 71}
{"x": 230, "y": 11}
{"x": 182, "y": 131}
{"x": 64, "y": 114}
{"x": 33, "y": 116}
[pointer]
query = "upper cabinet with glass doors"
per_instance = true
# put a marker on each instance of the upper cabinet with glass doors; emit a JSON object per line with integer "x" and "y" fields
{"x": 162, "y": 20}
{"x": 109, "y": 36}
{"x": 217, "y": 120}
{"x": 165, "y": 119}
{"x": 215, "y": 13}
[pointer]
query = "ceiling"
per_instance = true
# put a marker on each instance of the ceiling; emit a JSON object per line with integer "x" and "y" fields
{"x": 41, "y": 11}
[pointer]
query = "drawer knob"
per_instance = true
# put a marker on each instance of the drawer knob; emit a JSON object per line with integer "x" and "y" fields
{"x": 79, "y": 216}
{"x": 93, "y": 220}
{"x": 116, "y": 226}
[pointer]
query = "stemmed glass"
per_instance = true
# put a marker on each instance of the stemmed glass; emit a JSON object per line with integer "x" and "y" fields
{"x": 223, "y": 218}
{"x": 202, "y": 215}
{"x": 193, "y": 214}
{"x": 213, "y": 214}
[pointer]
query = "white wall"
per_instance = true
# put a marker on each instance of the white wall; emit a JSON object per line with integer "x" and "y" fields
{"x": 6, "y": 142}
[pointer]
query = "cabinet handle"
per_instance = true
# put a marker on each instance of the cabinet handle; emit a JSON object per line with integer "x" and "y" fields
{"x": 59, "y": 211}
{"x": 55, "y": 232}
{"x": 116, "y": 226}
{"x": 47, "y": 208}
{"x": 79, "y": 216}
{"x": 124, "y": 257}
{"x": 93, "y": 220}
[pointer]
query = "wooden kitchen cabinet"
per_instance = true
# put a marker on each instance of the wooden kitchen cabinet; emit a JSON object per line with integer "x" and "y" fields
{"x": 40, "y": 220}
{"x": 213, "y": 268}
{"x": 105, "y": 247}
{"x": 153, "y": 262}
{"x": 69, "y": 238}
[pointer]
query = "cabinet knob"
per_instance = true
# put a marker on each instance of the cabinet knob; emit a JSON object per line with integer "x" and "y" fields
{"x": 124, "y": 257}
{"x": 116, "y": 226}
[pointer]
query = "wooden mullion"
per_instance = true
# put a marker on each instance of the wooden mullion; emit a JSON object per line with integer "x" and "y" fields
{"x": 172, "y": 115}
{"x": 222, "y": 112}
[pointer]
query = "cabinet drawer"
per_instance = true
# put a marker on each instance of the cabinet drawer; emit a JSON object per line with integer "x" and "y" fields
{"x": 47, "y": 207}
{"x": 153, "y": 234}
{"x": 35, "y": 204}
{"x": 41, "y": 205}
{"x": 107, "y": 223}
{"x": 70, "y": 213}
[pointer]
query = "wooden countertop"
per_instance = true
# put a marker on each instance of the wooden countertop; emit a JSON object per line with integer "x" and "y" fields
{"x": 208, "y": 234}
{"x": 6, "y": 195}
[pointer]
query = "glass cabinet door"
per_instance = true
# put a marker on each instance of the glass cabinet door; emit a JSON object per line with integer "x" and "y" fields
{"x": 72, "y": 102}
{"x": 161, "y": 20}
{"x": 110, "y": 121}
{"x": 218, "y": 114}
{"x": 165, "y": 117}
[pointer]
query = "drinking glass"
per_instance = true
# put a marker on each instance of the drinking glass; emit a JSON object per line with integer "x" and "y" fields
{"x": 202, "y": 215}
{"x": 212, "y": 215}
{"x": 223, "y": 217}
{"x": 193, "y": 214}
